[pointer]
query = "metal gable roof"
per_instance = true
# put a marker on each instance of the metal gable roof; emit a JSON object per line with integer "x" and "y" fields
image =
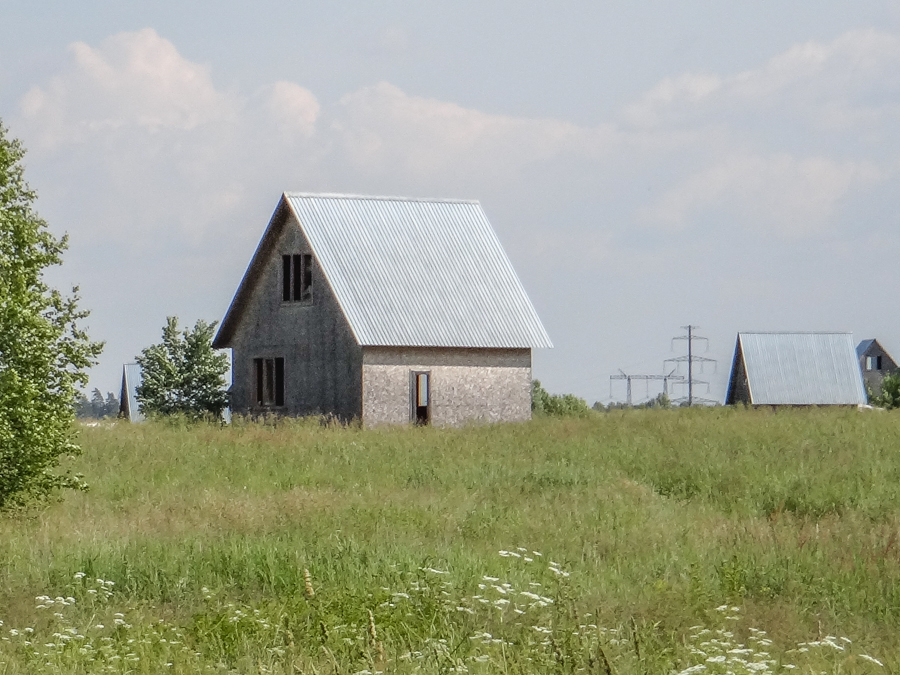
{"x": 418, "y": 272}
{"x": 863, "y": 347}
{"x": 802, "y": 368}
{"x": 131, "y": 380}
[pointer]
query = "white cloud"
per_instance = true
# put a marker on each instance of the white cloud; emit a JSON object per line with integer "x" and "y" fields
{"x": 776, "y": 194}
{"x": 840, "y": 75}
{"x": 132, "y": 80}
{"x": 383, "y": 127}
{"x": 152, "y": 122}
{"x": 173, "y": 153}
{"x": 294, "y": 108}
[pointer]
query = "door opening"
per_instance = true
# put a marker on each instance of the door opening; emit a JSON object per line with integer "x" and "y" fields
{"x": 421, "y": 396}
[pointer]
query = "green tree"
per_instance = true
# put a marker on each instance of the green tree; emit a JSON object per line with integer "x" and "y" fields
{"x": 98, "y": 405}
{"x": 890, "y": 392}
{"x": 183, "y": 375}
{"x": 83, "y": 408}
{"x": 44, "y": 354}
{"x": 111, "y": 407}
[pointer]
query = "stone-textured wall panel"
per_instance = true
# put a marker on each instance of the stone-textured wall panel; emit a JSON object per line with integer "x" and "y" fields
{"x": 467, "y": 386}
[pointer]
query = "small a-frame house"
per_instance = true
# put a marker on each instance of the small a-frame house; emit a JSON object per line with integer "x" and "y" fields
{"x": 875, "y": 363}
{"x": 795, "y": 369}
{"x": 128, "y": 403}
{"x": 383, "y": 309}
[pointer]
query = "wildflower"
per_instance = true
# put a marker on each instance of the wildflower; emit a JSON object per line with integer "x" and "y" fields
{"x": 373, "y": 635}
{"x": 871, "y": 659}
{"x": 307, "y": 582}
{"x": 79, "y": 575}
{"x": 693, "y": 669}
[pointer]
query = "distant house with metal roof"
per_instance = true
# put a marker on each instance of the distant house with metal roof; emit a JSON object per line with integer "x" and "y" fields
{"x": 129, "y": 408}
{"x": 795, "y": 369}
{"x": 875, "y": 363}
{"x": 384, "y": 309}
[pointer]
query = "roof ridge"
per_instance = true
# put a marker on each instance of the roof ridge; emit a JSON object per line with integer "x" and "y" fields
{"x": 795, "y": 332}
{"x": 383, "y": 198}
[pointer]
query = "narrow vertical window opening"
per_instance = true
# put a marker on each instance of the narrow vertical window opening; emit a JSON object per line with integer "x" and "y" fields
{"x": 421, "y": 398}
{"x": 296, "y": 277}
{"x": 286, "y": 278}
{"x": 279, "y": 382}
{"x": 269, "y": 381}
{"x": 306, "y": 285}
{"x": 258, "y": 367}
{"x": 269, "y": 394}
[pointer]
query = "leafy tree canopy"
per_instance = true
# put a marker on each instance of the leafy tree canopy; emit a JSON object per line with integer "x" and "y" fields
{"x": 183, "y": 375}
{"x": 890, "y": 392}
{"x": 44, "y": 355}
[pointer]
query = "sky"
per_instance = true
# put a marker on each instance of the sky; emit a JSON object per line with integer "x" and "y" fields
{"x": 646, "y": 165}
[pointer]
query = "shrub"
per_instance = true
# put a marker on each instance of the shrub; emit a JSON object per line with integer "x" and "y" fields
{"x": 557, "y": 405}
{"x": 890, "y": 392}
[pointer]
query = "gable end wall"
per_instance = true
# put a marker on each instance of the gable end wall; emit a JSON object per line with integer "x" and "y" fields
{"x": 323, "y": 363}
{"x": 873, "y": 378}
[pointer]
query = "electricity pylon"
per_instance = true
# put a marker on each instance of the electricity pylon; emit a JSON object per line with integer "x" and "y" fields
{"x": 628, "y": 378}
{"x": 691, "y": 359}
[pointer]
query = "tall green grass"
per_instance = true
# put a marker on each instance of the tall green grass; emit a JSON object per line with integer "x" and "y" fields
{"x": 652, "y": 519}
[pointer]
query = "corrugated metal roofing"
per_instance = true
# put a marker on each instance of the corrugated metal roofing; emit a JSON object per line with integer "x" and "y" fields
{"x": 131, "y": 379}
{"x": 802, "y": 368}
{"x": 418, "y": 272}
{"x": 863, "y": 346}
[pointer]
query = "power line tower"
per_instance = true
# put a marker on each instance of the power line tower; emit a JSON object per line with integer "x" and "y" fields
{"x": 691, "y": 359}
{"x": 628, "y": 378}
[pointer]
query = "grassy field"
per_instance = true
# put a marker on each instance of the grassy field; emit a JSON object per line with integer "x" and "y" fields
{"x": 655, "y": 541}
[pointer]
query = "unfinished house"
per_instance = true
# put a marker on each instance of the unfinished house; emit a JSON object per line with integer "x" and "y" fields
{"x": 383, "y": 309}
{"x": 795, "y": 369}
{"x": 875, "y": 363}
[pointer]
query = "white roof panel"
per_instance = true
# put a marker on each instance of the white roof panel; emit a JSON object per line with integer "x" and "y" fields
{"x": 418, "y": 272}
{"x": 802, "y": 368}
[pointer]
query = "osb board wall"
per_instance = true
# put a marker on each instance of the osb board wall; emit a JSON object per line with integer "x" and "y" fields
{"x": 466, "y": 385}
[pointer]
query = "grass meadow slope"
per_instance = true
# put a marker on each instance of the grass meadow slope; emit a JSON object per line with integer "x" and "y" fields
{"x": 655, "y": 541}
